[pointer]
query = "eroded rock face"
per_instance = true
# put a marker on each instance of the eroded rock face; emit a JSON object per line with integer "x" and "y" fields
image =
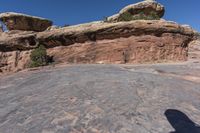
{"x": 18, "y": 40}
{"x": 133, "y": 49}
{"x": 141, "y": 41}
{"x": 194, "y": 50}
{"x": 1, "y": 28}
{"x": 145, "y": 7}
{"x": 14, "y": 61}
{"x": 18, "y": 21}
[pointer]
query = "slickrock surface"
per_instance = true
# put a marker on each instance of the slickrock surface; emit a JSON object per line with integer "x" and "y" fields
{"x": 75, "y": 98}
{"x": 102, "y": 99}
{"x": 18, "y": 21}
{"x": 141, "y": 41}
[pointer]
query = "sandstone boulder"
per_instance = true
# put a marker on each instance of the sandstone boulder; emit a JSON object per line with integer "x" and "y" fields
{"x": 145, "y": 8}
{"x": 18, "y": 21}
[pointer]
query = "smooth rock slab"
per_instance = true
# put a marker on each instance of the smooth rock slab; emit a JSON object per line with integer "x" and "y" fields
{"x": 18, "y": 21}
{"x": 100, "y": 98}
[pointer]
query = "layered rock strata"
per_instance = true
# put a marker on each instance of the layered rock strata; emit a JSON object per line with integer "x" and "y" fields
{"x": 146, "y": 8}
{"x": 18, "y": 21}
{"x": 104, "y": 42}
{"x": 141, "y": 41}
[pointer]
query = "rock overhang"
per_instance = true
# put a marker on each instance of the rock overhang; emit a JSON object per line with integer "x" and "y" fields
{"x": 90, "y": 32}
{"x": 118, "y": 42}
{"x": 19, "y": 21}
{"x": 147, "y": 9}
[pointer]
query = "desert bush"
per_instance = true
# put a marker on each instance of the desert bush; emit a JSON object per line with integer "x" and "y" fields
{"x": 140, "y": 16}
{"x": 105, "y": 19}
{"x": 153, "y": 16}
{"x": 125, "y": 17}
{"x": 39, "y": 57}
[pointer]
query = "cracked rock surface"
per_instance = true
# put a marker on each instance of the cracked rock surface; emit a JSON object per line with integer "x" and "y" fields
{"x": 101, "y": 99}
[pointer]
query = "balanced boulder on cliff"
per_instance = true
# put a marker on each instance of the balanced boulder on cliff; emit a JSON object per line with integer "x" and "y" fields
{"x": 18, "y": 21}
{"x": 145, "y": 10}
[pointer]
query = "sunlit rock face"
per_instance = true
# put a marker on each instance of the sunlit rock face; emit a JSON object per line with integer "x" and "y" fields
{"x": 140, "y": 41}
{"x": 147, "y": 7}
{"x": 18, "y": 21}
{"x": 101, "y": 42}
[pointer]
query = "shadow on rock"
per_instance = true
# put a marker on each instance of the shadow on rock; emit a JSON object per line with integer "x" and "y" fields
{"x": 181, "y": 122}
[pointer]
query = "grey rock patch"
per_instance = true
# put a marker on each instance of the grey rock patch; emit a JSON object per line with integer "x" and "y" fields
{"x": 97, "y": 98}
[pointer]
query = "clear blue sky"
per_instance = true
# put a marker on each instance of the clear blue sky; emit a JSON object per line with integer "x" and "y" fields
{"x": 63, "y": 12}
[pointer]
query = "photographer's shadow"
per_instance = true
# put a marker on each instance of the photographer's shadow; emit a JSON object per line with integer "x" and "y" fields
{"x": 181, "y": 122}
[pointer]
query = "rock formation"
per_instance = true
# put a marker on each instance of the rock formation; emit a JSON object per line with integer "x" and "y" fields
{"x": 142, "y": 8}
{"x": 18, "y": 21}
{"x": 194, "y": 49}
{"x": 138, "y": 41}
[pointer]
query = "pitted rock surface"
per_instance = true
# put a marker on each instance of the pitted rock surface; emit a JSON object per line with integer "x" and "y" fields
{"x": 146, "y": 7}
{"x": 19, "y": 21}
{"x": 100, "y": 99}
{"x": 141, "y": 41}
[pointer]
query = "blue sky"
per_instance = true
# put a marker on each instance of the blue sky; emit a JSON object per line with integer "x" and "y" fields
{"x": 71, "y": 12}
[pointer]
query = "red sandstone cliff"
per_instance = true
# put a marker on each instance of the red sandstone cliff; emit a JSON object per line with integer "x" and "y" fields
{"x": 137, "y": 41}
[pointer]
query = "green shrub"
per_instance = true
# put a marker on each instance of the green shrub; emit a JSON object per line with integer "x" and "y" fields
{"x": 153, "y": 16}
{"x": 125, "y": 17}
{"x": 140, "y": 16}
{"x": 39, "y": 57}
{"x": 105, "y": 19}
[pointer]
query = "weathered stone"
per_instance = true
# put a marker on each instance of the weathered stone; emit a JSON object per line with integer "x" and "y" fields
{"x": 54, "y": 27}
{"x": 18, "y": 21}
{"x": 18, "y": 40}
{"x": 133, "y": 49}
{"x": 194, "y": 50}
{"x": 141, "y": 41}
{"x": 14, "y": 61}
{"x": 1, "y": 28}
{"x": 145, "y": 7}
{"x": 100, "y": 31}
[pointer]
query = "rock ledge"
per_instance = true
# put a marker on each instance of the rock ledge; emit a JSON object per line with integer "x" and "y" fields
{"x": 18, "y": 21}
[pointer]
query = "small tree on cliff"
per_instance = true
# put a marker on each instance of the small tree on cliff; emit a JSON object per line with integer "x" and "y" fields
{"x": 39, "y": 57}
